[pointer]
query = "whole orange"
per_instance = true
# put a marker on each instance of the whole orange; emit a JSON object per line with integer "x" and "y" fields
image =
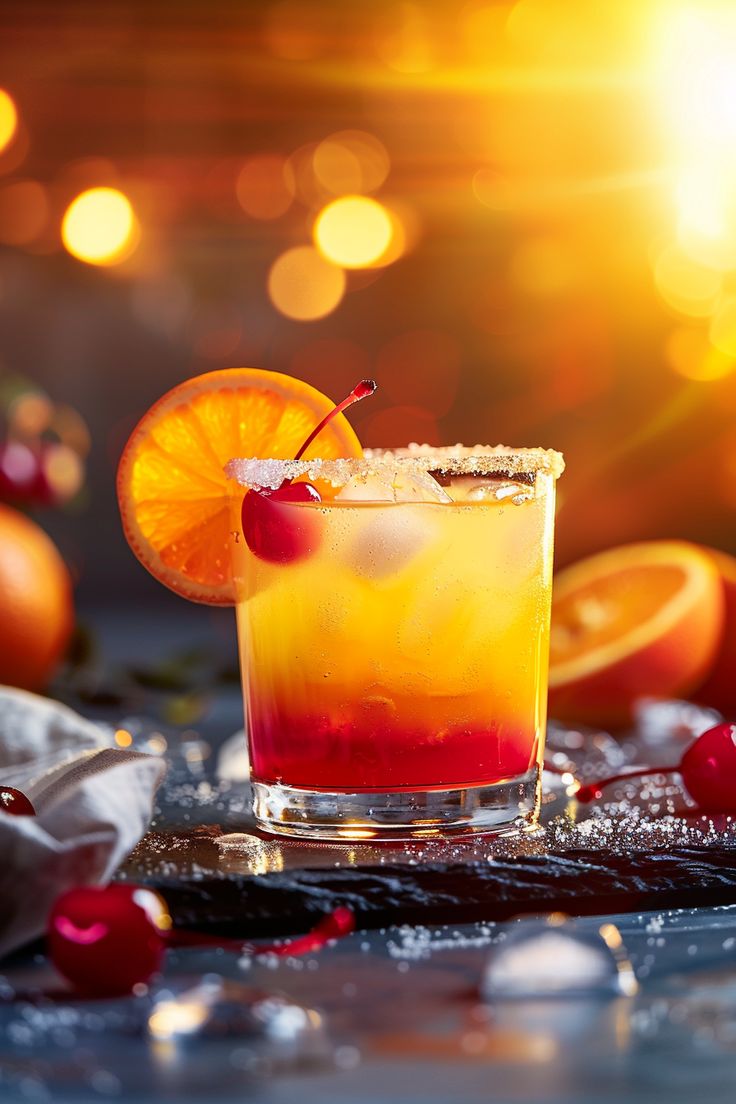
{"x": 36, "y": 610}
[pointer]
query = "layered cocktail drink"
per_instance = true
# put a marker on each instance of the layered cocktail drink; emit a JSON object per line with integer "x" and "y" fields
{"x": 394, "y": 648}
{"x": 392, "y": 608}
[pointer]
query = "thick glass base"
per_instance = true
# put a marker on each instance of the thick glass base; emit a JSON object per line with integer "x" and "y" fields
{"x": 507, "y": 806}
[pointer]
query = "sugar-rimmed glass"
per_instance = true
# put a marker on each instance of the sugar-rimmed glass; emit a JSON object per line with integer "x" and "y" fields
{"x": 395, "y": 674}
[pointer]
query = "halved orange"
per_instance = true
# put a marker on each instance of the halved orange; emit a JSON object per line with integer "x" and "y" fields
{"x": 719, "y": 689}
{"x": 171, "y": 484}
{"x": 643, "y": 620}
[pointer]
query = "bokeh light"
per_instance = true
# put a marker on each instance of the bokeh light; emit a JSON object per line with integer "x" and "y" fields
{"x": 8, "y": 119}
{"x": 493, "y": 189}
{"x": 353, "y": 231}
{"x": 30, "y": 414}
{"x": 689, "y": 287}
{"x": 64, "y": 471}
{"x": 557, "y": 177}
{"x": 691, "y": 355}
{"x": 303, "y": 285}
{"x": 351, "y": 161}
{"x": 405, "y": 232}
{"x": 698, "y": 81}
{"x": 71, "y": 428}
{"x": 405, "y": 43}
{"x": 265, "y": 186}
{"x": 723, "y": 327}
{"x": 100, "y": 227}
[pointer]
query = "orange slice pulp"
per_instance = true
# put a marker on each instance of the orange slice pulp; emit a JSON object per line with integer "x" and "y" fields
{"x": 639, "y": 621}
{"x": 172, "y": 489}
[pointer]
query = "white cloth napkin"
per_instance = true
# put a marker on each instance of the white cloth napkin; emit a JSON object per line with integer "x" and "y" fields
{"x": 93, "y": 803}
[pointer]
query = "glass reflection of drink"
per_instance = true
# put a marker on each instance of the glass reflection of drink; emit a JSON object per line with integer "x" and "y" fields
{"x": 394, "y": 661}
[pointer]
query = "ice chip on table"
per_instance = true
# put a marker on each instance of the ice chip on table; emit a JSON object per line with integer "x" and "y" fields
{"x": 672, "y": 722}
{"x": 551, "y": 959}
{"x": 395, "y": 486}
{"x": 219, "y": 1007}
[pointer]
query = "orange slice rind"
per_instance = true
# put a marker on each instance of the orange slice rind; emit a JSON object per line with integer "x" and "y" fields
{"x": 171, "y": 483}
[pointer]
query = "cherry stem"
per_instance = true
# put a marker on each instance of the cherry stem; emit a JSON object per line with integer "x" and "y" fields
{"x": 554, "y": 769}
{"x": 589, "y": 790}
{"x": 364, "y": 388}
{"x": 336, "y": 924}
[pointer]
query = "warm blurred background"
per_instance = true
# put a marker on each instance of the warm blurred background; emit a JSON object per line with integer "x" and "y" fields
{"x": 541, "y": 204}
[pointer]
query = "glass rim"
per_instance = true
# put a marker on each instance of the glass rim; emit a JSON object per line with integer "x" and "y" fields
{"x": 454, "y": 460}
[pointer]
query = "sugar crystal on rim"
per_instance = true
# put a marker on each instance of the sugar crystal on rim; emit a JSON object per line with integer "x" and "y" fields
{"x": 455, "y": 460}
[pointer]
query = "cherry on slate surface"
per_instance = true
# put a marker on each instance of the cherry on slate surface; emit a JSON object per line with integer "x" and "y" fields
{"x": 281, "y": 535}
{"x": 708, "y": 770}
{"x": 105, "y": 940}
{"x": 14, "y": 802}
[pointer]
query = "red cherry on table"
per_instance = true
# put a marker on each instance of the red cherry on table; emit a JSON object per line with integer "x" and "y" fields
{"x": 14, "y": 802}
{"x": 708, "y": 770}
{"x": 276, "y": 528}
{"x": 107, "y": 939}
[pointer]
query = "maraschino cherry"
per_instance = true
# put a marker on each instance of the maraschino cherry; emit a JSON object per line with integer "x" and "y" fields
{"x": 708, "y": 770}
{"x": 14, "y": 802}
{"x": 106, "y": 940}
{"x": 284, "y": 535}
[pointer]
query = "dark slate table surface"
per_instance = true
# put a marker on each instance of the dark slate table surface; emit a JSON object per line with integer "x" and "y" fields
{"x": 396, "y": 1011}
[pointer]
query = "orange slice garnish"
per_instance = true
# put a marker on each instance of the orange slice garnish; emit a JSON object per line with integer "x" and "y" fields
{"x": 639, "y": 621}
{"x": 172, "y": 489}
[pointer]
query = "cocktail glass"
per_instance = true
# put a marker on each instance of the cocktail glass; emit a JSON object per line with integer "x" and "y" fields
{"x": 395, "y": 667}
